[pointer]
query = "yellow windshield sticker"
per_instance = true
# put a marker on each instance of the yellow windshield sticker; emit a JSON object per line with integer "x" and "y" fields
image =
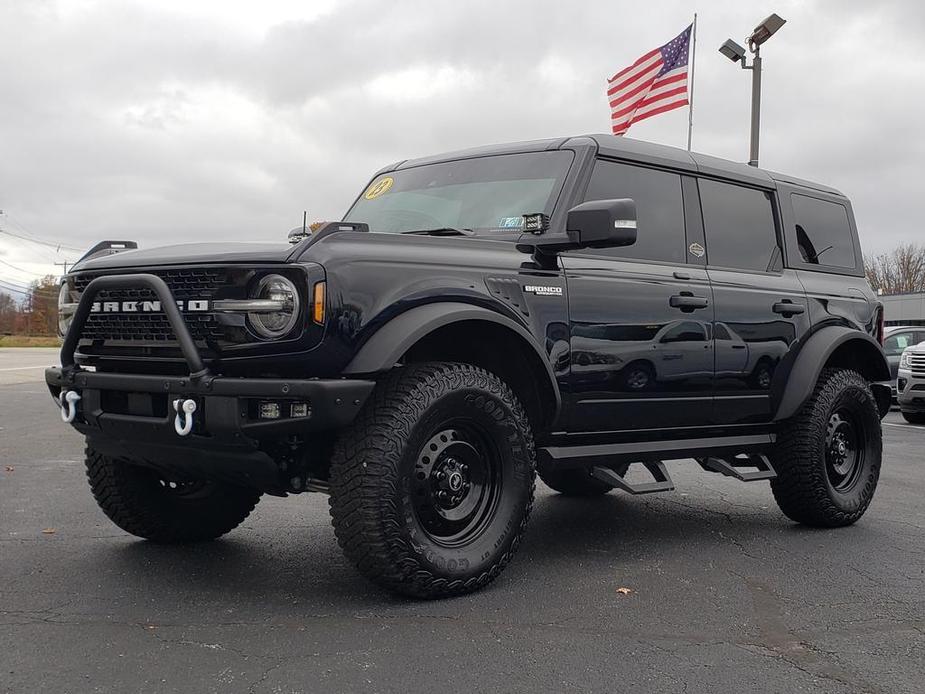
{"x": 380, "y": 187}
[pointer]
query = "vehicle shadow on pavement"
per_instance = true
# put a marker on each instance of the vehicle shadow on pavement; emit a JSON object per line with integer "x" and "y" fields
{"x": 258, "y": 566}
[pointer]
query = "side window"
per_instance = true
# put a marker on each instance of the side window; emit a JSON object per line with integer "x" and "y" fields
{"x": 739, "y": 226}
{"x": 823, "y": 232}
{"x": 659, "y": 209}
{"x": 895, "y": 344}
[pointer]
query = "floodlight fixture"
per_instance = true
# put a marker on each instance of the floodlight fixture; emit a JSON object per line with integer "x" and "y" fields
{"x": 765, "y": 30}
{"x": 733, "y": 51}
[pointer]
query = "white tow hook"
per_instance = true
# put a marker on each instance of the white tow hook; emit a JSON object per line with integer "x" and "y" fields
{"x": 183, "y": 422}
{"x": 67, "y": 400}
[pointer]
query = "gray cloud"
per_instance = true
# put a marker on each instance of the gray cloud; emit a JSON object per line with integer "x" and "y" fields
{"x": 123, "y": 120}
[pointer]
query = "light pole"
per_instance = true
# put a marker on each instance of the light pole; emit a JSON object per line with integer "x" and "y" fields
{"x": 737, "y": 54}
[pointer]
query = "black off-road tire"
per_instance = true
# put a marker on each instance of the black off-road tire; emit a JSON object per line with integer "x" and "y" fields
{"x": 385, "y": 485}
{"x": 812, "y": 487}
{"x": 143, "y": 503}
{"x": 914, "y": 417}
{"x": 574, "y": 483}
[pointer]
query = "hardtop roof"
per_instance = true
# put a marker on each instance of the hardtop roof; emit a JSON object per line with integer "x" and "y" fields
{"x": 629, "y": 149}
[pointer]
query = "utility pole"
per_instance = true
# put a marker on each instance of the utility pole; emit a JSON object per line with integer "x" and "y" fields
{"x": 65, "y": 264}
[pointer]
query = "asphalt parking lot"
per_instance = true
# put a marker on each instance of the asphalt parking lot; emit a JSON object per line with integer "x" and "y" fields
{"x": 725, "y": 594}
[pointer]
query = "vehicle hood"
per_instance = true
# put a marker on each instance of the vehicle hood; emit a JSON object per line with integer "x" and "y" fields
{"x": 191, "y": 254}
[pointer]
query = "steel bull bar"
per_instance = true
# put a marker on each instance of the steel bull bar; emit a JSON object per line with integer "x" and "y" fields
{"x": 160, "y": 420}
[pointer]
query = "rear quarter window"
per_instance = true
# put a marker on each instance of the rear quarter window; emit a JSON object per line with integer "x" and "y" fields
{"x": 823, "y": 232}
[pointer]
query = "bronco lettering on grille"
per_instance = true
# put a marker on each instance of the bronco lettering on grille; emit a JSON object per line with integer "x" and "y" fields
{"x": 189, "y": 305}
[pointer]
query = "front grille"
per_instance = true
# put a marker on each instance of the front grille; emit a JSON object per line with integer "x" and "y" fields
{"x": 917, "y": 364}
{"x": 154, "y": 328}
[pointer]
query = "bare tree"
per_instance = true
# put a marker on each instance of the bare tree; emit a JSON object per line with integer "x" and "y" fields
{"x": 8, "y": 313}
{"x": 901, "y": 271}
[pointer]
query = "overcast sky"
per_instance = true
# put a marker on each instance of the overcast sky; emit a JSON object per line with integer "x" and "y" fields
{"x": 181, "y": 120}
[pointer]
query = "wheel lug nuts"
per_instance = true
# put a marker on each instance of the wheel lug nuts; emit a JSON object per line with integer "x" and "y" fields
{"x": 440, "y": 474}
{"x": 463, "y": 468}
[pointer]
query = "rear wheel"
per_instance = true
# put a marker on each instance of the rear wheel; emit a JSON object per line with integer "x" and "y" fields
{"x": 827, "y": 456}
{"x": 432, "y": 484}
{"x": 145, "y": 503}
{"x": 574, "y": 482}
{"x": 914, "y": 417}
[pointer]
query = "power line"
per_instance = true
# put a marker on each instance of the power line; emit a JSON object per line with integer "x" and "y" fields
{"x": 15, "y": 286}
{"x": 50, "y": 244}
{"x": 32, "y": 237}
{"x": 19, "y": 269}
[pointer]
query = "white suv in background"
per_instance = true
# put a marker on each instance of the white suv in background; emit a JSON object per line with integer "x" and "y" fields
{"x": 910, "y": 384}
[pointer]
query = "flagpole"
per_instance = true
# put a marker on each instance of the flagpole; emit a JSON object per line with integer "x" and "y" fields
{"x": 690, "y": 110}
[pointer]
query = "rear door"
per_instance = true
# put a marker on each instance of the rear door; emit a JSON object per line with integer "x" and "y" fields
{"x": 640, "y": 316}
{"x": 760, "y": 307}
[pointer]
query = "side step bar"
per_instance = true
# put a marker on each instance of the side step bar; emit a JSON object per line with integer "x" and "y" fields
{"x": 610, "y": 454}
{"x": 730, "y": 467}
{"x": 662, "y": 482}
{"x": 609, "y": 462}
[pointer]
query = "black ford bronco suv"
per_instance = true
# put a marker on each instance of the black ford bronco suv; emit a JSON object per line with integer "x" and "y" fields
{"x": 478, "y": 318}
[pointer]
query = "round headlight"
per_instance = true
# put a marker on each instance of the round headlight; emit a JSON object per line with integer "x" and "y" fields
{"x": 282, "y": 310}
{"x": 65, "y": 309}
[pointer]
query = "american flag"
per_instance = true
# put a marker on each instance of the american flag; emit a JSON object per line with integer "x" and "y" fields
{"x": 655, "y": 83}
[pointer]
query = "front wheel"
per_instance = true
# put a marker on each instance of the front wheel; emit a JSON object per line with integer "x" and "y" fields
{"x": 432, "y": 484}
{"x": 827, "y": 456}
{"x": 145, "y": 503}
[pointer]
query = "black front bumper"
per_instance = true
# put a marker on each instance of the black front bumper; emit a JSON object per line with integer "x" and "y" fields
{"x": 131, "y": 416}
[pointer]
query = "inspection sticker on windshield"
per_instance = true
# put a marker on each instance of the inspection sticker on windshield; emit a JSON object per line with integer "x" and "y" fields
{"x": 511, "y": 223}
{"x": 380, "y": 187}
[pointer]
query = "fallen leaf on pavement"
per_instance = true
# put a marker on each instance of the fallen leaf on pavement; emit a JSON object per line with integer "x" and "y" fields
{"x": 10, "y": 468}
{"x": 624, "y": 591}
{"x": 49, "y": 531}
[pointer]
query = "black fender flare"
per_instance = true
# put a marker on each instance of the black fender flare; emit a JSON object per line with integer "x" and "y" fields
{"x": 812, "y": 357}
{"x": 387, "y": 345}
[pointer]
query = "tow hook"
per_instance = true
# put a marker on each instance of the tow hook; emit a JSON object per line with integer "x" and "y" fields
{"x": 67, "y": 400}
{"x": 183, "y": 422}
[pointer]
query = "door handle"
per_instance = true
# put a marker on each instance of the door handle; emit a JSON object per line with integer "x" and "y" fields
{"x": 738, "y": 346}
{"x": 687, "y": 302}
{"x": 681, "y": 275}
{"x": 787, "y": 308}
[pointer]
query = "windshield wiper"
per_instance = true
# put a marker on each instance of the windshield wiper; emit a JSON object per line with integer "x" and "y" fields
{"x": 442, "y": 231}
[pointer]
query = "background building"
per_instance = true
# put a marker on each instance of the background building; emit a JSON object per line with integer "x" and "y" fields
{"x": 904, "y": 309}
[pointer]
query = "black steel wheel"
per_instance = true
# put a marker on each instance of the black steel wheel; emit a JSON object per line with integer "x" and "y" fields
{"x": 827, "y": 456}
{"x": 456, "y": 484}
{"x": 432, "y": 485}
{"x": 844, "y": 456}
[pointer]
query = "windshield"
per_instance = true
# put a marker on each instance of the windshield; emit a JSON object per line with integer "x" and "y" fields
{"x": 487, "y": 194}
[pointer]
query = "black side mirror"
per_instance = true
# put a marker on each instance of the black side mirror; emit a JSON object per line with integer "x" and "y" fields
{"x": 602, "y": 223}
